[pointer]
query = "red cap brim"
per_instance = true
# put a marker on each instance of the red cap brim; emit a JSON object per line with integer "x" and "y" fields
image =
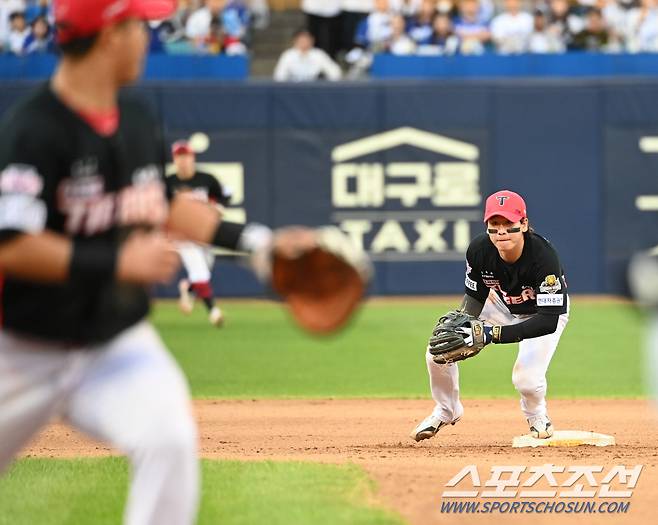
{"x": 509, "y": 215}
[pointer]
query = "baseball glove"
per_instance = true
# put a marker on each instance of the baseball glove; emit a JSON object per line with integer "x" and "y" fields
{"x": 323, "y": 285}
{"x": 457, "y": 336}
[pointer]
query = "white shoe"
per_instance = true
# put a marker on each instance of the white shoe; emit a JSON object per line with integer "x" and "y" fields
{"x": 540, "y": 427}
{"x": 429, "y": 426}
{"x": 216, "y": 317}
{"x": 185, "y": 301}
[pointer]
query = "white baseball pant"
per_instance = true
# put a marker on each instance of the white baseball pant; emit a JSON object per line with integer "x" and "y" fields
{"x": 197, "y": 261}
{"x": 128, "y": 392}
{"x": 528, "y": 374}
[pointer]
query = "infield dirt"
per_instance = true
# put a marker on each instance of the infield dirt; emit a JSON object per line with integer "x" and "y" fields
{"x": 412, "y": 476}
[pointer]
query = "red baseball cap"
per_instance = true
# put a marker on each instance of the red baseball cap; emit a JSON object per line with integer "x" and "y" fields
{"x": 507, "y": 204}
{"x": 82, "y": 18}
{"x": 181, "y": 147}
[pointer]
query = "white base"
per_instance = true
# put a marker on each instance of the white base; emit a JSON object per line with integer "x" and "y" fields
{"x": 565, "y": 438}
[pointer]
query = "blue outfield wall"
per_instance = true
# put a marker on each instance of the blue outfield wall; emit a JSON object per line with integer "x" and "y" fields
{"x": 158, "y": 67}
{"x": 572, "y": 64}
{"x": 404, "y": 167}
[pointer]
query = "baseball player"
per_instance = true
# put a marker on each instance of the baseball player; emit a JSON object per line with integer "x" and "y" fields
{"x": 197, "y": 259}
{"x": 85, "y": 230}
{"x": 515, "y": 283}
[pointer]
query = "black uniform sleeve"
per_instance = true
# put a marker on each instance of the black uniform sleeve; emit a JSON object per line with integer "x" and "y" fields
{"x": 536, "y": 326}
{"x": 550, "y": 285}
{"x": 27, "y": 174}
{"x": 473, "y": 285}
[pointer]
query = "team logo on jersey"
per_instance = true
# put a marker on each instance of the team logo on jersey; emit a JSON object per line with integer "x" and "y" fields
{"x": 550, "y": 285}
{"x": 90, "y": 210}
{"x": 21, "y": 178}
{"x": 491, "y": 283}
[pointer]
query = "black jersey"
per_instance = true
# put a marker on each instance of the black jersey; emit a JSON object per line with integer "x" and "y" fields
{"x": 534, "y": 283}
{"x": 57, "y": 173}
{"x": 203, "y": 186}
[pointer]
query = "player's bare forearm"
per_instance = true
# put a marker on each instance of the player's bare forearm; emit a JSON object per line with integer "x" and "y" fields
{"x": 471, "y": 306}
{"x": 193, "y": 220}
{"x": 42, "y": 257}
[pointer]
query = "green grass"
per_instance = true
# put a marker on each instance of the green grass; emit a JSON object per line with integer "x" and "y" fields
{"x": 84, "y": 491}
{"x": 261, "y": 354}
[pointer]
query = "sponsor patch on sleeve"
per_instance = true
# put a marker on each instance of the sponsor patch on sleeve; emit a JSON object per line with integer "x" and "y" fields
{"x": 471, "y": 284}
{"x": 550, "y": 299}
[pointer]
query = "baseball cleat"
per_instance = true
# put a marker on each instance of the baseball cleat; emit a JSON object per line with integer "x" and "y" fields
{"x": 540, "y": 427}
{"x": 185, "y": 301}
{"x": 429, "y": 426}
{"x": 216, "y": 317}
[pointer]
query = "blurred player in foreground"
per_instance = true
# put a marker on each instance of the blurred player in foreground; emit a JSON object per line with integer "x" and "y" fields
{"x": 515, "y": 285}
{"x": 86, "y": 227}
{"x": 197, "y": 259}
{"x": 643, "y": 280}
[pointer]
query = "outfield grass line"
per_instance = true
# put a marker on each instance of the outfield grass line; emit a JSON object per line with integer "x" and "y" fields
{"x": 402, "y": 299}
{"x": 93, "y": 490}
{"x": 387, "y": 397}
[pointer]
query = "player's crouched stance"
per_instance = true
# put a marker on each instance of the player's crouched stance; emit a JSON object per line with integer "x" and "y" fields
{"x": 85, "y": 230}
{"x": 515, "y": 292}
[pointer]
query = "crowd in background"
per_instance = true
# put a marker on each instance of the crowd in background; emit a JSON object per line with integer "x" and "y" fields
{"x": 198, "y": 26}
{"x": 436, "y": 27}
{"x": 351, "y": 30}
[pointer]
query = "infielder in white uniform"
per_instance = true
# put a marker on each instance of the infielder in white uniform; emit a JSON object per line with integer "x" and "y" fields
{"x": 515, "y": 283}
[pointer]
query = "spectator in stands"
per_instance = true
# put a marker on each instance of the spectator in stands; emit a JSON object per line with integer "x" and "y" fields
{"x": 232, "y": 17}
{"x": 471, "y": 29}
{"x": 40, "y": 39}
{"x": 305, "y": 63}
{"x": 375, "y": 31}
{"x": 443, "y": 40}
{"x": 7, "y": 7}
{"x": 197, "y": 28}
{"x": 615, "y": 14}
{"x": 563, "y": 21}
{"x": 323, "y": 21}
{"x": 541, "y": 40}
{"x": 642, "y": 35}
{"x": 595, "y": 36}
{"x": 235, "y": 23}
{"x": 420, "y": 26}
{"x": 353, "y": 12}
{"x": 18, "y": 33}
{"x": 260, "y": 12}
{"x": 400, "y": 43}
{"x": 407, "y": 8}
{"x": 38, "y": 8}
{"x": 511, "y": 29}
{"x": 448, "y": 7}
{"x": 173, "y": 30}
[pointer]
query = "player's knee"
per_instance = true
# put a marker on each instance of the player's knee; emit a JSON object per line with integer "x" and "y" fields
{"x": 174, "y": 439}
{"x": 528, "y": 381}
